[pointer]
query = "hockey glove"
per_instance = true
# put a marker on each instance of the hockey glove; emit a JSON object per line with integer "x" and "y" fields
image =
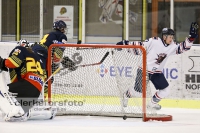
{"x": 193, "y": 31}
{"x": 124, "y": 42}
{"x": 2, "y": 64}
{"x": 68, "y": 63}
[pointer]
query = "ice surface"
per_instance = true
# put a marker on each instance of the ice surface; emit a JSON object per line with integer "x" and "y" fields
{"x": 184, "y": 121}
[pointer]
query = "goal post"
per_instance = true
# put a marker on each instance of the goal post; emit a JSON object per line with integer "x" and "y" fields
{"x": 96, "y": 87}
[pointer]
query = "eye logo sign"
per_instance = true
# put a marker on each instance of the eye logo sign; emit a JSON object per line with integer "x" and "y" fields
{"x": 102, "y": 70}
{"x": 196, "y": 64}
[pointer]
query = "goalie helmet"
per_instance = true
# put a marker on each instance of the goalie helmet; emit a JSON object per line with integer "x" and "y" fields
{"x": 23, "y": 43}
{"x": 167, "y": 31}
{"x": 59, "y": 25}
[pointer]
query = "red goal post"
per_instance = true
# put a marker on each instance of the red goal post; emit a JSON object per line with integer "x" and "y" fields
{"x": 92, "y": 55}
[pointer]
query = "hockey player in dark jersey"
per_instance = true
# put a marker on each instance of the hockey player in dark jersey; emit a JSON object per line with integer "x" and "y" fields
{"x": 27, "y": 75}
{"x": 55, "y": 37}
{"x": 158, "y": 51}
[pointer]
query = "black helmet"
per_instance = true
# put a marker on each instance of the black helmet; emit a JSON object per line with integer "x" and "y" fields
{"x": 59, "y": 25}
{"x": 167, "y": 31}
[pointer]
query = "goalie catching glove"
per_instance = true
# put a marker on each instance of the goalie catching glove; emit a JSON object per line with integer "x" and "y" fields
{"x": 2, "y": 64}
{"x": 68, "y": 63}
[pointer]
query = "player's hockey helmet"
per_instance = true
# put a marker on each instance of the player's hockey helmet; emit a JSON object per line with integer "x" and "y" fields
{"x": 167, "y": 31}
{"x": 24, "y": 43}
{"x": 59, "y": 25}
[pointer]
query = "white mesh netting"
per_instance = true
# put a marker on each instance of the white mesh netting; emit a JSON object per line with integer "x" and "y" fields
{"x": 98, "y": 89}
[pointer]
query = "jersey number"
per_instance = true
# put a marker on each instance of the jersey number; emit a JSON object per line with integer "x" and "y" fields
{"x": 33, "y": 66}
{"x": 44, "y": 39}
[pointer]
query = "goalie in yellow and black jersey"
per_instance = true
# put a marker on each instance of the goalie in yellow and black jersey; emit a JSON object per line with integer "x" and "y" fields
{"x": 27, "y": 75}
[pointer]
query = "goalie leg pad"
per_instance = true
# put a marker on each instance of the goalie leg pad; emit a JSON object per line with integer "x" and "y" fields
{"x": 8, "y": 104}
{"x": 42, "y": 112}
{"x": 16, "y": 111}
{"x": 10, "y": 107}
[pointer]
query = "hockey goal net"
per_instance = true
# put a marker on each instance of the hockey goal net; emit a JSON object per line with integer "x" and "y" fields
{"x": 97, "y": 85}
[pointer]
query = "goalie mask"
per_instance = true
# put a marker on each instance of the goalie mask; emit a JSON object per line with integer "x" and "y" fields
{"x": 23, "y": 43}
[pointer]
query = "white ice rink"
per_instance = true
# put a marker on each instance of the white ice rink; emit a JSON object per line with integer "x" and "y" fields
{"x": 184, "y": 121}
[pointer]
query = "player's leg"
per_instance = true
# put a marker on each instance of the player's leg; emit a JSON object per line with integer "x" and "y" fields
{"x": 132, "y": 92}
{"x": 161, "y": 84}
{"x": 37, "y": 112}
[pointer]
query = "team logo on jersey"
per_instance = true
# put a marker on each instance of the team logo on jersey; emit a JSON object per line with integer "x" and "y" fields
{"x": 160, "y": 58}
{"x": 63, "y": 10}
{"x": 102, "y": 70}
{"x": 35, "y": 78}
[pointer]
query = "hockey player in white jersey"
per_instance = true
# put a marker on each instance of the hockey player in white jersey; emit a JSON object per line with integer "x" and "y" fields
{"x": 158, "y": 51}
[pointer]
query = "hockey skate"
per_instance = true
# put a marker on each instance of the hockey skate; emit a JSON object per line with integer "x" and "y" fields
{"x": 125, "y": 100}
{"x": 154, "y": 106}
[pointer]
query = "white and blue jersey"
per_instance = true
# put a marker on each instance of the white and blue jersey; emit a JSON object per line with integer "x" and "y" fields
{"x": 158, "y": 52}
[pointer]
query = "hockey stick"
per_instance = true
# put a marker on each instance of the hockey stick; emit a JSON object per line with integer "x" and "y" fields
{"x": 55, "y": 72}
{"x": 98, "y": 63}
{"x": 92, "y": 64}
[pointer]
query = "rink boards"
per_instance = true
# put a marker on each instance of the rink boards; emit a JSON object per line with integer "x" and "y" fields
{"x": 182, "y": 72}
